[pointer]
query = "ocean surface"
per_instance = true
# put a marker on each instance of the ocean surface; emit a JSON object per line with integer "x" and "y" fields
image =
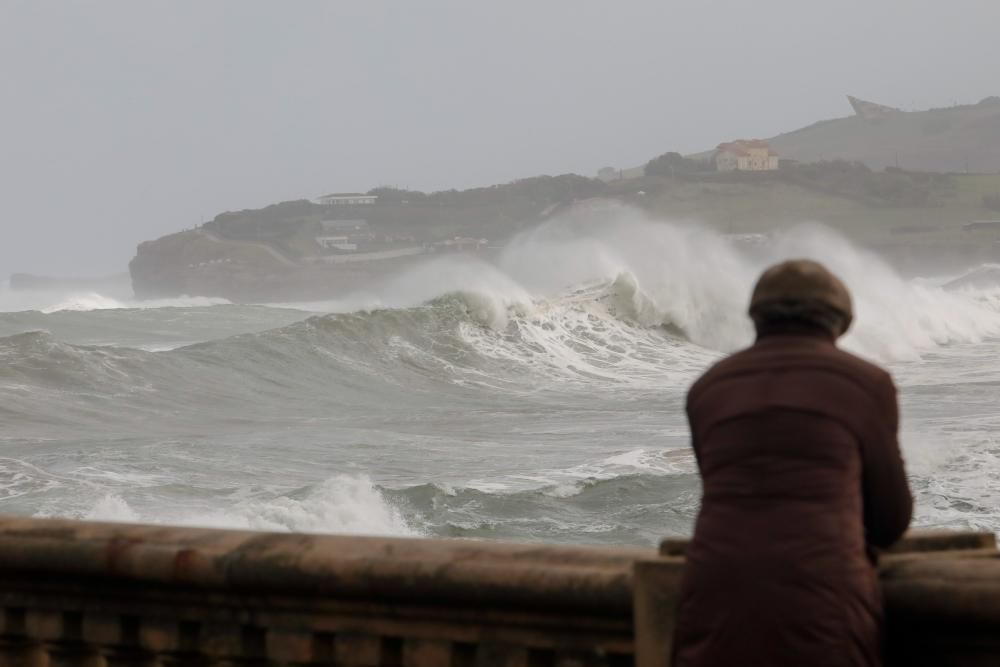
{"x": 535, "y": 396}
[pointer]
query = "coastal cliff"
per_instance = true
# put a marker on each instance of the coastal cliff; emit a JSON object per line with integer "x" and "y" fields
{"x": 277, "y": 253}
{"x": 914, "y": 186}
{"x": 303, "y": 249}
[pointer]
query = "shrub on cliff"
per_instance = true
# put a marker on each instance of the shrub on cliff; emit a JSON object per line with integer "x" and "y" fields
{"x": 672, "y": 164}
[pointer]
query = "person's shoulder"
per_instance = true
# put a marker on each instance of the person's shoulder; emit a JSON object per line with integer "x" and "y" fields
{"x": 862, "y": 368}
{"x": 733, "y": 361}
{"x": 828, "y": 358}
{"x": 729, "y": 364}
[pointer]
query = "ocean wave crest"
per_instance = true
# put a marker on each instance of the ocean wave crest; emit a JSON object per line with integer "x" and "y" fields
{"x": 637, "y": 305}
{"x": 342, "y": 504}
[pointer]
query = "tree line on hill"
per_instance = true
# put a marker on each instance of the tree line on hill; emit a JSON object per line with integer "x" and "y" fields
{"x": 499, "y": 209}
{"x": 538, "y": 190}
{"x": 853, "y": 180}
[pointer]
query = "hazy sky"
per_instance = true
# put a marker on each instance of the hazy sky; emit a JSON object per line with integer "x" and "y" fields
{"x": 125, "y": 120}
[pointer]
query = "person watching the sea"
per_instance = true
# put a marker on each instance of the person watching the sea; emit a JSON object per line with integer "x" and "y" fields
{"x": 796, "y": 444}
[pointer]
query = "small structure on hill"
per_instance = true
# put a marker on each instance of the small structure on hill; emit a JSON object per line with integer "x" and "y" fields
{"x": 347, "y": 199}
{"x": 342, "y": 243}
{"x": 745, "y": 155}
{"x": 342, "y": 235}
{"x": 870, "y": 110}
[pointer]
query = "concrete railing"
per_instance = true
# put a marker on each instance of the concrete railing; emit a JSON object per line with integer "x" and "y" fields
{"x": 76, "y": 593}
{"x": 941, "y": 591}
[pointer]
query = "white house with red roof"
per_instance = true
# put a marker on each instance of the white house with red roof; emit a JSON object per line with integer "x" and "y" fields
{"x": 745, "y": 155}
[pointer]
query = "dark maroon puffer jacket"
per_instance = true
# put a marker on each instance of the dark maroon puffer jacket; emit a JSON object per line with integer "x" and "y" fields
{"x": 796, "y": 443}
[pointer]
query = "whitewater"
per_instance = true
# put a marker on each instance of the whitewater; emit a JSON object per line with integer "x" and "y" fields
{"x": 537, "y": 395}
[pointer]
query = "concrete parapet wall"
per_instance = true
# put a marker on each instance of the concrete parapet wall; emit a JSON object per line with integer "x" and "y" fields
{"x": 943, "y": 611}
{"x": 77, "y": 593}
{"x": 116, "y": 594}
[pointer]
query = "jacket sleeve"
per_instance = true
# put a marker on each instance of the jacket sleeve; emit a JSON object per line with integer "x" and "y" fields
{"x": 888, "y": 504}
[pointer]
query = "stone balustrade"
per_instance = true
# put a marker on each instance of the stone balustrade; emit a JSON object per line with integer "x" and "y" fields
{"x": 78, "y": 593}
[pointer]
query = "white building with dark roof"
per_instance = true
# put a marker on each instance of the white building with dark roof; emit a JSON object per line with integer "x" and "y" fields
{"x": 347, "y": 199}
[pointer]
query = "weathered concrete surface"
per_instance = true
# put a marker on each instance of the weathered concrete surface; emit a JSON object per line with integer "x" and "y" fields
{"x": 941, "y": 542}
{"x": 395, "y": 568}
{"x": 656, "y": 592}
{"x": 125, "y": 594}
{"x": 78, "y": 593}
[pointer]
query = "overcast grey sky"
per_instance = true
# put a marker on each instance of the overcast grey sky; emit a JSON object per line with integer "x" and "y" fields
{"x": 123, "y": 120}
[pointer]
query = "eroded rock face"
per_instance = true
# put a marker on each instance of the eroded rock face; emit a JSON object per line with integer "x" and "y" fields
{"x": 286, "y": 250}
{"x": 200, "y": 263}
{"x": 197, "y": 263}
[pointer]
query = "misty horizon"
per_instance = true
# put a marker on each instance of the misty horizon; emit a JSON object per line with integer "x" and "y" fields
{"x": 126, "y": 122}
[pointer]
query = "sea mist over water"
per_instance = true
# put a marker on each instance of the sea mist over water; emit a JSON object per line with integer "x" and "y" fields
{"x": 535, "y": 396}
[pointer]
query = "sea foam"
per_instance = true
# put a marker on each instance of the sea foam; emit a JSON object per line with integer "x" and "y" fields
{"x": 341, "y": 504}
{"x": 698, "y": 282}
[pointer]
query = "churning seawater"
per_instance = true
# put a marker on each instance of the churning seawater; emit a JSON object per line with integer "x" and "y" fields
{"x": 538, "y": 396}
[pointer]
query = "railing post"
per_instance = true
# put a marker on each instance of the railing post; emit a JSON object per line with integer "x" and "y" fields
{"x": 656, "y": 589}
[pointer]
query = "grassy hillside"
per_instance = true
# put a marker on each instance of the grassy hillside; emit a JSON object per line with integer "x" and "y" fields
{"x": 913, "y": 236}
{"x": 956, "y": 139}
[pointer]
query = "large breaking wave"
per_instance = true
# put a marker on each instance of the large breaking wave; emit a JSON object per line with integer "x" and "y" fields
{"x": 613, "y": 302}
{"x": 572, "y": 319}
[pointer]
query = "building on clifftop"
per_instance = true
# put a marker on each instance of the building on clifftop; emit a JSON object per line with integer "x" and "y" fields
{"x": 347, "y": 199}
{"x": 745, "y": 155}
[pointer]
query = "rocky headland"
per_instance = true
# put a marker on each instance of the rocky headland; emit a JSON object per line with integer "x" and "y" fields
{"x": 919, "y": 187}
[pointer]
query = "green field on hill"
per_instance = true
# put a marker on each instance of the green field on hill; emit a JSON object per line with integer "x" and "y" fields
{"x": 909, "y": 235}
